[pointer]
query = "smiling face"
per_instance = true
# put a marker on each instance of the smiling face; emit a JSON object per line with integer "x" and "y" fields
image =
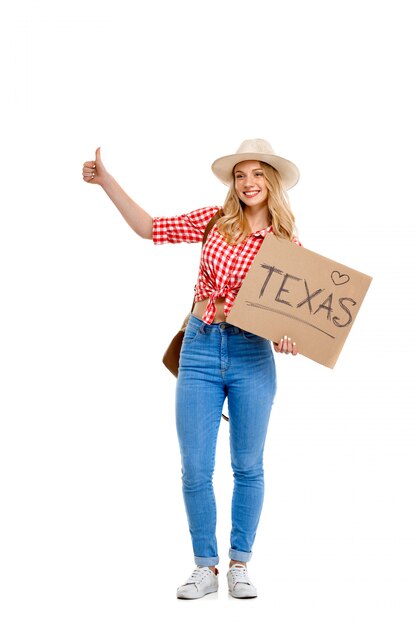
{"x": 250, "y": 184}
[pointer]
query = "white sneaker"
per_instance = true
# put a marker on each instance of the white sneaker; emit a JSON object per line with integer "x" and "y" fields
{"x": 202, "y": 581}
{"x": 239, "y": 584}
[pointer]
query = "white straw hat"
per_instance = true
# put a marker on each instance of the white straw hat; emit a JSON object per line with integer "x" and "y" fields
{"x": 256, "y": 150}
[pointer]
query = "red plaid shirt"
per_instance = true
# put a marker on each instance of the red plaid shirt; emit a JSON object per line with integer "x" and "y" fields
{"x": 222, "y": 266}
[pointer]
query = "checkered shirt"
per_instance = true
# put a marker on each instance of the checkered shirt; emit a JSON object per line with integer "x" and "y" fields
{"x": 222, "y": 266}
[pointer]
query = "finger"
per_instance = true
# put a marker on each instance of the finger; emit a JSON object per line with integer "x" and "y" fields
{"x": 278, "y": 346}
{"x": 98, "y": 155}
{"x": 89, "y": 164}
{"x": 294, "y": 348}
{"x": 285, "y": 344}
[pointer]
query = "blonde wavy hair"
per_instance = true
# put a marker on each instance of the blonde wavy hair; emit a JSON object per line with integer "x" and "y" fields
{"x": 234, "y": 226}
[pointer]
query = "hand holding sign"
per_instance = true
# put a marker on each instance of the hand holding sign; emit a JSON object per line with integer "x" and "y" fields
{"x": 295, "y": 291}
{"x": 286, "y": 345}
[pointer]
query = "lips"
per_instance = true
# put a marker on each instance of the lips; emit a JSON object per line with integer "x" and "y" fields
{"x": 251, "y": 194}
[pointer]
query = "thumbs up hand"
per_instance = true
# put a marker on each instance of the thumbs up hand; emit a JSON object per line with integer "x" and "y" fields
{"x": 94, "y": 171}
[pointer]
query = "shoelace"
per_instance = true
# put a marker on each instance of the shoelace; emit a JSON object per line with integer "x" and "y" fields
{"x": 198, "y": 575}
{"x": 240, "y": 575}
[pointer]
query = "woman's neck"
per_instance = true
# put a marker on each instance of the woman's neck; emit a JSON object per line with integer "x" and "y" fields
{"x": 258, "y": 218}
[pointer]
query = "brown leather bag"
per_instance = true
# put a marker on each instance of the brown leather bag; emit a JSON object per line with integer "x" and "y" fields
{"x": 171, "y": 358}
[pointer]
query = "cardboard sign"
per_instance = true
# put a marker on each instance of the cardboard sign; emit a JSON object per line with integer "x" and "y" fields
{"x": 292, "y": 291}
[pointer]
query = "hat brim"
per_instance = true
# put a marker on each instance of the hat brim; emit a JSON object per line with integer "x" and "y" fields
{"x": 223, "y": 167}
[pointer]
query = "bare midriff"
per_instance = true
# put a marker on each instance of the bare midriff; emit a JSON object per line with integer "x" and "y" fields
{"x": 200, "y": 308}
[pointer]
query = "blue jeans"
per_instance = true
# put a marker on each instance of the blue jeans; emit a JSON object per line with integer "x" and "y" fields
{"x": 219, "y": 360}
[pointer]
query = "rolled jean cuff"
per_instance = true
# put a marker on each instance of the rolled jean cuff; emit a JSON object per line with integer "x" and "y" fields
{"x": 238, "y": 555}
{"x": 205, "y": 561}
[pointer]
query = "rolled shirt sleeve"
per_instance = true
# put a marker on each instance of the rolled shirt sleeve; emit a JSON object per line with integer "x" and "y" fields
{"x": 188, "y": 227}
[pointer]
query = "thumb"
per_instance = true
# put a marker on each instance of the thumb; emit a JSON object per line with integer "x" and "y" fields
{"x": 98, "y": 156}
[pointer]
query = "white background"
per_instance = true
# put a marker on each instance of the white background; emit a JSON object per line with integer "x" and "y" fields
{"x": 93, "y": 528}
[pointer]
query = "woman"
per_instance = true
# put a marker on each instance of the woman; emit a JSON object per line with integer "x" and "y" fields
{"x": 218, "y": 359}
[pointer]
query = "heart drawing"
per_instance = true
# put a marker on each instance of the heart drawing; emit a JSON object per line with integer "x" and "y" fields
{"x": 339, "y": 279}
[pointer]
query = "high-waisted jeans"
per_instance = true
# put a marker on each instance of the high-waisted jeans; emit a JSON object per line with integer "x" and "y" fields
{"x": 219, "y": 360}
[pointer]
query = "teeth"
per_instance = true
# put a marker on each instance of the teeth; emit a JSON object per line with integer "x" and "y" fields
{"x": 251, "y": 193}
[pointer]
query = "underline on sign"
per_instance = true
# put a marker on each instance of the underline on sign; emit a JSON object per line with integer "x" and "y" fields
{"x": 293, "y": 317}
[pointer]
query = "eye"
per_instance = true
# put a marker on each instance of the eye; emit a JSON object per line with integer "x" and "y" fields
{"x": 259, "y": 173}
{"x": 239, "y": 176}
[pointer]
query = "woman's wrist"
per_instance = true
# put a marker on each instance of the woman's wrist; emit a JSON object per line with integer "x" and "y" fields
{"x": 107, "y": 181}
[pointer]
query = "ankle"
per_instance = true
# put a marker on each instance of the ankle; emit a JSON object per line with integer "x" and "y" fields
{"x": 213, "y": 569}
{"x": 232, "y": 562}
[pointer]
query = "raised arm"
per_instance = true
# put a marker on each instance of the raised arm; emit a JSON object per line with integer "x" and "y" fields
{"x": 138, "y": 219}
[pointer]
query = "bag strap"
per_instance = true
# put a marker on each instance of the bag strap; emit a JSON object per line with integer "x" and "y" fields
{"x": 209, "y": 226}
{"x": 211, "y": 223}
